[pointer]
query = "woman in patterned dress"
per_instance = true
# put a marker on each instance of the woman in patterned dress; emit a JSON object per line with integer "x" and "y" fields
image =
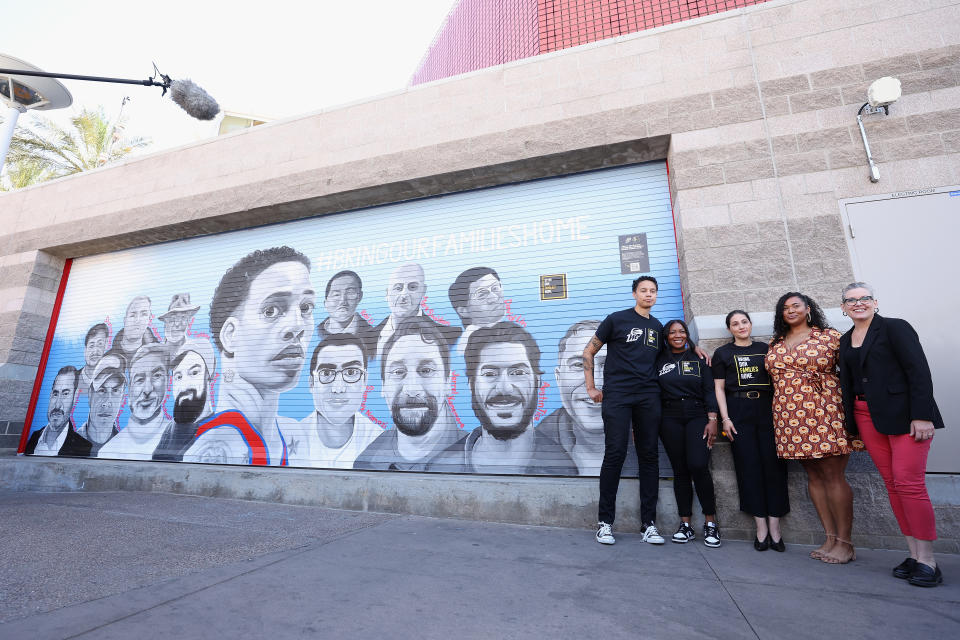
{"x": 808, "y": 416}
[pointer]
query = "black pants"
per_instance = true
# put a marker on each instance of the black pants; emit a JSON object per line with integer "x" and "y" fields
{"x": 681, "y": 430}
{"x": 761, "y": 475}
{"x": 621, "y": 412}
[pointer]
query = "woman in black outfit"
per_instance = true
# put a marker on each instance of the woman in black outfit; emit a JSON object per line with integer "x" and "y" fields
{"x": 745, "y": 395}
{"x": 688, "y": 428}
{"x": 888, "y": 398}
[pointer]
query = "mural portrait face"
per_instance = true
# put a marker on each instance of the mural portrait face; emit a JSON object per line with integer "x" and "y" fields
{"x": 61, "y": 400}
{"x": 485, "y": 305}
{"x": 175, "y": 326}
{"x": 269, "y": 331}
{"x": 504, "y": 389}
{"x": 137, "y": 318}
{"x": 106, "y": 401}
{"x": 337, "y": 382}
{"x": 573, "y": 391}
{"x": 414, "y": 384}
{"x": 406, "y": 290}
{"x": 345, "y": 293}
{"x": 148, "y": 386}
{"x": 189, "y": 388}
{"x": 94, "y": 349}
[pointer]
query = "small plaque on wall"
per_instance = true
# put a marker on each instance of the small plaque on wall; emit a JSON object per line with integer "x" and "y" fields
{"x": 553, "y": 287}
{"x": 633, "y": 253}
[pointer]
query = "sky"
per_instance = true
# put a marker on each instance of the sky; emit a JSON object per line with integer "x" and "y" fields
{"x": 271, "y": 59}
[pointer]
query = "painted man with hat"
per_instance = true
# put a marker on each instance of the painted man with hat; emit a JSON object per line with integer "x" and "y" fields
{"x": 176, "y": 320}
{"x": 192, "y": 368}
{"x": 106, "y": 393}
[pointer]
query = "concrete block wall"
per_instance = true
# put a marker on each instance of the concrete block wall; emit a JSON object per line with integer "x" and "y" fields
{"x": 28, "y": 288}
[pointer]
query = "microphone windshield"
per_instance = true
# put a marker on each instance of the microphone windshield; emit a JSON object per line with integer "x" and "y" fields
{"x": 194, "y": 100}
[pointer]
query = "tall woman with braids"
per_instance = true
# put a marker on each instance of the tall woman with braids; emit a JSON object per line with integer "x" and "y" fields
{"x": 808, "y": 416}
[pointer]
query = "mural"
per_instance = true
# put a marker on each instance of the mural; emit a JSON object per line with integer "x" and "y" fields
{"x": 408, "y": 337}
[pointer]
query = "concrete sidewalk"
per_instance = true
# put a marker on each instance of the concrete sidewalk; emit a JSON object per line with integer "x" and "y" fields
{"x": 146, "y": 565}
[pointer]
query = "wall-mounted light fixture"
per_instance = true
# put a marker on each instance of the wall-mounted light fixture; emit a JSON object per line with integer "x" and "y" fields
{"x": 881, "y": 94}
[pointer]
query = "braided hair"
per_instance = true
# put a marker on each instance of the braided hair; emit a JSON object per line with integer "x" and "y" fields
{"x": 780, "y": 326}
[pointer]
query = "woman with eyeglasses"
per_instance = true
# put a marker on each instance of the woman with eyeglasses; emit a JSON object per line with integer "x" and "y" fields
{"x": 808, "y": 416}
{"x": 888, "y": 391}
{"x": 688, "y": 429}
{"x": 744, "y": 395}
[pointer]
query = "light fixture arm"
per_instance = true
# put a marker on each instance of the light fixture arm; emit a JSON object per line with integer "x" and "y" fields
{"x": 874, "y": 171}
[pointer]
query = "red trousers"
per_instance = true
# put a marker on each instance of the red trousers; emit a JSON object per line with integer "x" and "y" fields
{"x": 902, "y": 461}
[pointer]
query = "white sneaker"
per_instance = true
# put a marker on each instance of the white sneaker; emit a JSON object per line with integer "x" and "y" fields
{"x": 650, "y": 534}
{"x": 605, "y": 533}
{"x": 711, "y": 535}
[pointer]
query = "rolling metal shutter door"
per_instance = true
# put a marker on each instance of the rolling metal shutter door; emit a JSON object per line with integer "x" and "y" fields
{"x": 573, "y": 227}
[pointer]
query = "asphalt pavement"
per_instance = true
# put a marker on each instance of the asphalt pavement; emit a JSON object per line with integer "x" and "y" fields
{"x": 153, "y": 565}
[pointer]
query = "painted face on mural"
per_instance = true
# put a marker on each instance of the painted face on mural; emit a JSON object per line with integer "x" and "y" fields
{"x": 337, "y": 383}
{"x": 148, "y": 386}
{"x": 106, "y": 401}
{"x": 342, "y": 300}
{"x": 189, "y": 387}
{"x": 406, "y": 290}
{"x": 137, "y": 318}
{"x": 414, "y": 385}
{"x": 573, "y": 391}
{"x": 175, "y": 326}
{"x": 95, "y": 348}
{"x": 61, "y": 400}
{"x": 504, "y": 390}
{"x": 269, "y": 334}
{"x": 485, "y": 305}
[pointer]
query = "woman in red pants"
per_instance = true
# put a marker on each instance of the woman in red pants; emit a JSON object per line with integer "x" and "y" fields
{"x": 888, "y": 391}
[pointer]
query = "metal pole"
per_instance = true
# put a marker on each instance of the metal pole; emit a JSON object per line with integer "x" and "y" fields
{"x": 9, "y": 125}
{"x": 874, "y": 171}
{"x": 71, "y": 76}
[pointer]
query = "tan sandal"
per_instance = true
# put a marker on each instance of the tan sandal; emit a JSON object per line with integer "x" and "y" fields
{"x": 816, "y": 554}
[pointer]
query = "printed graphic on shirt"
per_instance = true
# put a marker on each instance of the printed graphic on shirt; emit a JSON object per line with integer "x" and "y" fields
{"x": 667, "y": 368}
{"x": 690, "y": 368}
{"x": 634, "y": 334}
{"x": 749, "y": 369}
{"x": 653, "y": 338}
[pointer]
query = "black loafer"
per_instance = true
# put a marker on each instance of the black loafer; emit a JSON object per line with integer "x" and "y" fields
{"x": 778, "y": 545}
{"x": 761, "y": 546}
{"x": 925, "y": 576}
{"x": 904, "y": 569}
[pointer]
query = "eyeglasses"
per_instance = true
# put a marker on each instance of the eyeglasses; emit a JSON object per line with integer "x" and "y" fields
{"x": 853, "y": 301}
{"x": 350, "y": 294}
{"x": 484, "y": 293}
{"x": 349, "y": 374}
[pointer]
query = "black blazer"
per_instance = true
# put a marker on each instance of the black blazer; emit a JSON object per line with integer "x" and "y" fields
{"x": 74, "y": 445}
{"x": 896, "y": 377}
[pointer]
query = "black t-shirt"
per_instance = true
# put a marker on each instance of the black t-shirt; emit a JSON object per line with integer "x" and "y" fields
{"x": 633, "y": 343}
{"x": 684, "y": 375}
{"x": 742, "y": 368}
{"x": 852, "y": 359}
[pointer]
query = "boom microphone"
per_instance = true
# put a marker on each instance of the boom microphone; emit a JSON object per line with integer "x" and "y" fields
{"x": 194, "y": 100}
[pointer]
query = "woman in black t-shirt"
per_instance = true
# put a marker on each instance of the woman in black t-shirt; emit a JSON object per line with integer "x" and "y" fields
{"x": 688, "y": 427}
{"x": 744, "y": 395}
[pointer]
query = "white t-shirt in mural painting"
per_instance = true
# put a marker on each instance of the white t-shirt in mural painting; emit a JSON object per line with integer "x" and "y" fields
{"x": 128, "y": 446}
{"x": 317, "y": 454}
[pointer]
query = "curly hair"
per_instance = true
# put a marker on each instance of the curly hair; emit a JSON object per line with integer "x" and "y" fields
{"x": 815, "y": 314}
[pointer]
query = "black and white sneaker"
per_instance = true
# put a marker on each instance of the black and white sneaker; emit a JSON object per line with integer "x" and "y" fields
{"x": 684, "y": 534}
{"x": 711, "y": 535}
{"x": 605, "y": 533}
{"x": 650, "y": 534}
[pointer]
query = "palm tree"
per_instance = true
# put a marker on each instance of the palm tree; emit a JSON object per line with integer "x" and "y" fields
{"x": 45, "y": 150}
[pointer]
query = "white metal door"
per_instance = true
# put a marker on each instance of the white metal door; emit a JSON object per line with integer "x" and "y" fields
{"x": 906, "y": 247}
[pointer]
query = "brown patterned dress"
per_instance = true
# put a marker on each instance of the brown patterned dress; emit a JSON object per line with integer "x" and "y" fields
{"x": 807, "y": 407}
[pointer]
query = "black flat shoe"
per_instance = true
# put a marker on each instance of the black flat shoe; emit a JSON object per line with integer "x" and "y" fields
{"x": 925, "y": 576}
{"x": 776, "y": 546}
{"x": 904, "y": 569}
{"x": 761, "y": 546}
